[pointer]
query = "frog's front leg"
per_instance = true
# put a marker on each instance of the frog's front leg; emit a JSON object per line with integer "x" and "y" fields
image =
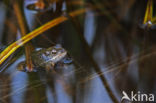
{"x": 21, "y": 66}
{"x": 50, "y": 66}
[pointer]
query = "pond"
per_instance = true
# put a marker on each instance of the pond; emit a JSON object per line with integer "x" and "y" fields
{"x": 77, "y": 51}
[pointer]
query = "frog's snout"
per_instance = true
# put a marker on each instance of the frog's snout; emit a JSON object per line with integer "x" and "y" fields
{"x": 63, "y": 51}
{"x": 58, "y": 46}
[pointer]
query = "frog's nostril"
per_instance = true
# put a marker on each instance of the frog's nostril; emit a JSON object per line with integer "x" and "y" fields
{"x": 47, "y": 53}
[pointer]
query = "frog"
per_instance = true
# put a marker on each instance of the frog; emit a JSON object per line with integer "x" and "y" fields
{"x": 40, "y": 5}
{"x": 46, "y": 58}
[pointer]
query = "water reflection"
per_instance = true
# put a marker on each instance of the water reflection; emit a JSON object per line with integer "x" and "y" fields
{"x": 124, "y": 52}
{"x": 18, "y": 87}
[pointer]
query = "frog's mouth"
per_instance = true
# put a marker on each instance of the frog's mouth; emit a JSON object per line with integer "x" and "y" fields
{"x": 58, "y": 57}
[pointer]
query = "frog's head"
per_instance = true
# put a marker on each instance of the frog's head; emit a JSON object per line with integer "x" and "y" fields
{"x": 55, "y": 53}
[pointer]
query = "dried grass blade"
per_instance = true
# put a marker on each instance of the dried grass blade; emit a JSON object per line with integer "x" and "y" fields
{"x": 149, "y": 12}
{"x": 14, "y": 46}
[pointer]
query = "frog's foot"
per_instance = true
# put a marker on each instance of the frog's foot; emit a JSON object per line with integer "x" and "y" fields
{"x": 50, "y": 67}
{"x": 67, "y": 60}
{"x": 22, "y": 67}
{"x": 64, "y": 63}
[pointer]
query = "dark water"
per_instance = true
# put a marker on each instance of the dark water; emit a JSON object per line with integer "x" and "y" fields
{"x": 116, "y": 52}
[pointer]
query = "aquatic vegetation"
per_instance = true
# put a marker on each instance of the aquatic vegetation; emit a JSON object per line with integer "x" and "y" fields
{"x": 107, "y": 51}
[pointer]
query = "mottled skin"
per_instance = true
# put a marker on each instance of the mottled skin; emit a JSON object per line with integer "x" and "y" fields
{"x": 46, "y": 58}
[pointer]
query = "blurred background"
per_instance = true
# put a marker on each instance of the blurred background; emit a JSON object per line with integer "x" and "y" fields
{"x": 109, "y": 43}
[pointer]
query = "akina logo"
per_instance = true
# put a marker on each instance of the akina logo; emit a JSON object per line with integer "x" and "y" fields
{"x": 137, "y": 97}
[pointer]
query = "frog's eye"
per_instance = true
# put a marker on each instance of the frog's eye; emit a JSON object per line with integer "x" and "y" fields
{"x": 54, "y": 51}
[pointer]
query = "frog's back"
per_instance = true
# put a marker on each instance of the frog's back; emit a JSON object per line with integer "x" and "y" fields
{"x": 38, "y": 59}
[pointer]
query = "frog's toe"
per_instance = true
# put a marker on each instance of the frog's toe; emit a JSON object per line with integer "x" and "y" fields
{"x": 52, "y": 64}
{"x": 49, "y": 67}
{"x": 21, "y": 66}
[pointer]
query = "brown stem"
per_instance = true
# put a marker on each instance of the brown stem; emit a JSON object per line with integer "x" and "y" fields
{"x": 23, "y": 27}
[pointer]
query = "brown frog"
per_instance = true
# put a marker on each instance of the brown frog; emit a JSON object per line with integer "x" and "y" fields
{"x": 45, "y": 58}
{"x": 40, "y": 5}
